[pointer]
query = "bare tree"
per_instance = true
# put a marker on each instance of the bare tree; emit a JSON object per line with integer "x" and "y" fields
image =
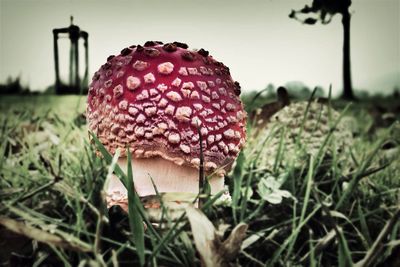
{"x": 324, "y": 11}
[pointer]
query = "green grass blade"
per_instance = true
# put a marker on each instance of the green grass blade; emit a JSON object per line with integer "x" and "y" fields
{"x": 243, "y": 204}
{"x": 135, "y": 220}
{"x": 107, "y": 156}
{"x": 277, "y": 255}
{"x": 306, "y": 200}
{"x": 356, "y": 178}
{"x": 237, "y": 183}
{"x": 364, "y": 225}
{"x": 312, "y": 260}
{"x": 344, "y": 257}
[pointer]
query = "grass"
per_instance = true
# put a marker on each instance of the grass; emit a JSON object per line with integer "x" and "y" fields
{"x": 341, "y": 210}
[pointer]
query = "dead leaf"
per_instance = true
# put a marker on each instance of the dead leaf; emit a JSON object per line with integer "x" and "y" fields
{"x": 214, "y": 252}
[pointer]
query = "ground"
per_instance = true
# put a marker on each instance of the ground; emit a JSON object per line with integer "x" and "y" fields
{"x": 335, "y": 208}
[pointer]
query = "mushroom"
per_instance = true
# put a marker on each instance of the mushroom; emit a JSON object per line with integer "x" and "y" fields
{"x": 299, "y": 130}
{"x": 158, "y": 99}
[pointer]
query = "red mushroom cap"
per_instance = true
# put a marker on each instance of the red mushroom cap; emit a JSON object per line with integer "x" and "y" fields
{"x": 153, "y": 98}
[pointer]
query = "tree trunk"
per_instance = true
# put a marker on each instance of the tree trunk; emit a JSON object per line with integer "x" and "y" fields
{"x": 56, "y": 62}
{"x": 347, "y": 85}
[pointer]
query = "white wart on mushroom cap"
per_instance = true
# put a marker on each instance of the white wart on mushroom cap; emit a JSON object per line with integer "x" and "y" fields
{"x": 152, "y": 98}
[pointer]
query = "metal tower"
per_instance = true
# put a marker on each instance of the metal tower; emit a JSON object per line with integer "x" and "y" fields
{"x": 75, "y": 85}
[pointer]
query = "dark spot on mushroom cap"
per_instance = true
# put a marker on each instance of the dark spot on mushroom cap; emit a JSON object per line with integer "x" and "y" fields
{"x": 110, "y": 57}
{"x": 139, "y": 48}
{"x": 107, "y": 65}
{"x": 126, "y": 51}
{"x": 188, "y": 55}
{"x": 237, "y": 89}
{"x": 132, "y": 46}
{"x": 203, "y": 52}
{"x": 96, "y": 76}
{"x": 225, "y": 70}
{"x": 181, "y": 45}
{"x": 152, "y": 43}
{"x": 149, "y": 43}
{"x": 169, "y": 47}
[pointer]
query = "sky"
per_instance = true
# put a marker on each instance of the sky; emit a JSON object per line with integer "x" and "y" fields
{"x": 255, "y": 38}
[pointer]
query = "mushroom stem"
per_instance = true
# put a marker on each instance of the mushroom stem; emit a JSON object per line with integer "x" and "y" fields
{"x": 166, "y": 175}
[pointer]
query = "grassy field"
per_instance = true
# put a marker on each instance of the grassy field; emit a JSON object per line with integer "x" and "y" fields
{"x": 332, "y": 209}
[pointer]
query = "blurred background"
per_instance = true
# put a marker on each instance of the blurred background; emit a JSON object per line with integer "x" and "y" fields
{"x": 263, "y": 46}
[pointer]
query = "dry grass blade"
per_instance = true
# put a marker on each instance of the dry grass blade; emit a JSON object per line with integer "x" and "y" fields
{"x": 377, "y": 247}
{"x": 321, "y": 245}
{"x": 42, "y": 236}
{"x": 343, "y": 246}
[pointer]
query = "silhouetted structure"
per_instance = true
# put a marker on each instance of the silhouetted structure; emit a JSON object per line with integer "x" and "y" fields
{"x": 326, "y": 9}
{"x": 75, "y": 86}
{"x": 13, "y": 86}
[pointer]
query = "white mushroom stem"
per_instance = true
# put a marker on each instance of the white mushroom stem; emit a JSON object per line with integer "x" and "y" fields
{"x": 167, "y": 176}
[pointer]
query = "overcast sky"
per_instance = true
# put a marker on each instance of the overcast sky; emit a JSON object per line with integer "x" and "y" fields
{"x": 255, "y": 38}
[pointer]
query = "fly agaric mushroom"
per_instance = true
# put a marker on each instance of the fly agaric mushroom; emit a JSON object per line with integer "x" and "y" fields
{"x": 157, "y": 100}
